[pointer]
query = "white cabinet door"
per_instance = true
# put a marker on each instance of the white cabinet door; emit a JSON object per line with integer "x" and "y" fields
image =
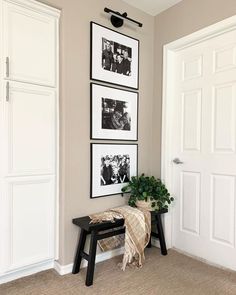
{"x": 30, "y": 45}
{"x": 31, "y": 130}
{"x": 29, "y": 174}
{"x": 30, "y": 203}
{"x": 204, "y": 139}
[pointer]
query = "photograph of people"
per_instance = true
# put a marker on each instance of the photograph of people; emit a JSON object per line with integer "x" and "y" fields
{"x": 123, "y": 170}
{"x": 106, "y": 171}
{"x": 107, "y": 56}
{"x": 115, "y": 169}
{"x": 119, "y": 64}
{"x": 126, "y": 63}
{"x": 116, "y": 57}
{"x": 115, "y": 114}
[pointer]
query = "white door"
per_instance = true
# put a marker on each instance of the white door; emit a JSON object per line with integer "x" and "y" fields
{"x": 30, "y": 45}
{"x": 29, "y": 169}
{"x": 204, "y": 139}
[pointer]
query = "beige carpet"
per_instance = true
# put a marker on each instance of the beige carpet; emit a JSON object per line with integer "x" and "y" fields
{"x": 171, "y": 274}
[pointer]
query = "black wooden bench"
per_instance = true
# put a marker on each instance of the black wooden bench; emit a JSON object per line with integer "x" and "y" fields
{"x": 95, "y": 231}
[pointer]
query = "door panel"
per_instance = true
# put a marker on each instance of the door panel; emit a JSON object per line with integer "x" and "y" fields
{"x": 225, "y": 58}
{"x": 191, "y": 120}
{"x": 31, "y": 220}
{"x": 190, "y": 201}
{"x": 223, "y": 211}
{"x": 30, "y": 45}
{"x": 204, "y": 131}
{"x": 223, "y": 113}
{"x": 192, "y": 67}
{"x": 31, "y": 130}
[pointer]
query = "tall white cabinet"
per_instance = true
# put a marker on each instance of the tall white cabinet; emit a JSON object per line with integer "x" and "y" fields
{"x": 28, "y": 136}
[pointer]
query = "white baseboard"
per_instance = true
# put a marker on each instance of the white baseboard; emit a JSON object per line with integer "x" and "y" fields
{"x": 155, "y": 242}
{"x": 66, "y": 269}
{"x": 61, "y": 269}
{"x": 26, "y": 271}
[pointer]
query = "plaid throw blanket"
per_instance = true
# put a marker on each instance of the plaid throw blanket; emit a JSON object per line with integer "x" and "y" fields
{"x": 137, "y": 233}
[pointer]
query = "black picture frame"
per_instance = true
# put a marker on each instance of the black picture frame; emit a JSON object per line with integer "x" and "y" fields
{"x": 102, "y": 150}
{"x": 126, "y": 44}
{"x": 106, "y": 125}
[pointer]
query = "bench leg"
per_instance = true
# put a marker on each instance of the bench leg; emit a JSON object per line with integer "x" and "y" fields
{"x": 92, "y": 257}
{"x": 161, "y": 235}
{"x": 80, "y": 248}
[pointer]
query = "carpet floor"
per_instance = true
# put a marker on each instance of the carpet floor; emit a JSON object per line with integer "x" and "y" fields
{"x": 161, "y": 275}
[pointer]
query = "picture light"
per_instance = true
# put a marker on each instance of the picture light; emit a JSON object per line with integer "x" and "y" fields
{"x": 117, "y": 19}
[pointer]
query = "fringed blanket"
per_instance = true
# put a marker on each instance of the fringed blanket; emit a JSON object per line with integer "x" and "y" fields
{"x": 137, "y": 233}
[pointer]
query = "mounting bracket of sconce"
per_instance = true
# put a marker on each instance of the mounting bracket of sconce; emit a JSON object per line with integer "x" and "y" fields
{"x": 117, "y": 19}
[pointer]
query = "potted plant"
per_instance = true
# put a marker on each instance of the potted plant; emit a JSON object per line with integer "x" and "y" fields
{"x": 148, "y": 192}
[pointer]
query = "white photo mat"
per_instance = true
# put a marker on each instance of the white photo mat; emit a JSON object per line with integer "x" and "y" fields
{"x": 98, "y": 151}
{"x": 99, "y": 92}
{"x": 99, "y": 32}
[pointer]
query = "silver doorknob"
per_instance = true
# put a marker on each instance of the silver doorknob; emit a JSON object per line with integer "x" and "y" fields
{"x": 177, "y": 161}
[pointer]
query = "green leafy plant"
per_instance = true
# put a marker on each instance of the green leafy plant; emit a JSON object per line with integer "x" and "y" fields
{"x": 145, "y": 188}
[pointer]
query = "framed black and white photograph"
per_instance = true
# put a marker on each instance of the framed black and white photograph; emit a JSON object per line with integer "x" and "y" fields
{"x": 112, "y": 166}
{"x": 114, "y": 113}
{"x": 114, "y": 57}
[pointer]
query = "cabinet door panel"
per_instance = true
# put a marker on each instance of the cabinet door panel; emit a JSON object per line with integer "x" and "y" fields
{"x": 31, "y": 130}
{"x": 30, "y": 44}
{"x": 31, "y": 220}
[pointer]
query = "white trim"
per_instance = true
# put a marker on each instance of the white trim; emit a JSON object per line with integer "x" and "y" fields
{"x": 155, "y": 242}
{"x": 209, "y": 32}
{"x": 57, "y": 168}
{"x": 169, "y": 51}
{"x": 26, "y": 271}
{"x": 66, "y": 269}
{"x": 61, "y": 269}
{"x": 37, "y": 6}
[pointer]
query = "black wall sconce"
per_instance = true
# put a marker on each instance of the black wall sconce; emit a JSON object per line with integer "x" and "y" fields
{"x": 117, "y": 19}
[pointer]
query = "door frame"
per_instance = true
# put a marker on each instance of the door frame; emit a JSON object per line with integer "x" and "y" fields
{"x": 169, "y": 52}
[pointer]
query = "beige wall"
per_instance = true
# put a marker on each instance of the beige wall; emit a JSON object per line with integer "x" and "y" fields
{"x": 75, "y": 108}
{"x": 180, "y": 20}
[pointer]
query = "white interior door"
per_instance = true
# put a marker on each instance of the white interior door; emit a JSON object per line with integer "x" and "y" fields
{"x": 29, "y": 174}
{"x": 30, "y": 45}
{"x": 204, "y": 139}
